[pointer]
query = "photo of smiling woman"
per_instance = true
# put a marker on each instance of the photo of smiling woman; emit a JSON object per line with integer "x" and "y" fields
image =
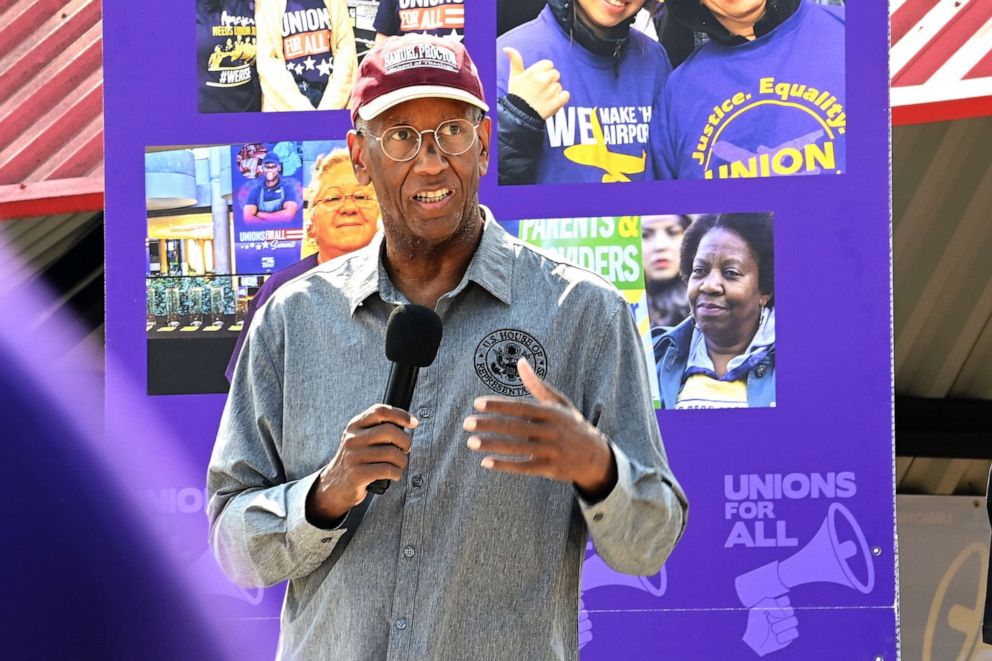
{"x": 343, "y": 217}
{"x": 723, "y": 354}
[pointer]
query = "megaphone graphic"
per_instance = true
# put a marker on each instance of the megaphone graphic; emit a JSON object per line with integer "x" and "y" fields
{"x": 207, "y": 576}
{"x": 825, "y": 559}
{"x": 596, "y": 574}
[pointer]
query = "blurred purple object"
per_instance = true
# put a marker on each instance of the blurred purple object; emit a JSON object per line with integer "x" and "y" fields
{"x": 86, "y": 574}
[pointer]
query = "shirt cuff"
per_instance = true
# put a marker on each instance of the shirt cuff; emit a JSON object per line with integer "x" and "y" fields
{"x": 302, "y": 534}
{"x": 600, "y": 513}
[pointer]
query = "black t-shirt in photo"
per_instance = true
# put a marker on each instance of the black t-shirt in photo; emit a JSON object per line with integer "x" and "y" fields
{"x": 225, "y": 53}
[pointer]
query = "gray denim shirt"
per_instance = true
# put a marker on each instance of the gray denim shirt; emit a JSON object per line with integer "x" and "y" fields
{"x": 454, "y": 561}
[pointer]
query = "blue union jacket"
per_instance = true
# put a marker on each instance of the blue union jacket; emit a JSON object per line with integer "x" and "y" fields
{"x": 671, "y": 353}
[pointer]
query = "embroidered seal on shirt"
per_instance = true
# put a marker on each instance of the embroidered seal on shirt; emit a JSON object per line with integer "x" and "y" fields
{"x": 496, "y": 360}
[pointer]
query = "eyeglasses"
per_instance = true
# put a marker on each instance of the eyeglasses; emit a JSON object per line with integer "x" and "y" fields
{"x": 402, "y": 143}
{"x": 336, "y": 200}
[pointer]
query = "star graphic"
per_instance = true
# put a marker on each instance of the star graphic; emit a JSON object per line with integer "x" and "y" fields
{"x": 309, "y": 62}
{"x": 324, "y": 68}
{"x": 454, "y": 36}
{"x": 299, "y": 69}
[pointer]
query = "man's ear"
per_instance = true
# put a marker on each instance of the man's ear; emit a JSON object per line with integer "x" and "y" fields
{"x": 356, "y": 147}
{"x": 485, "y": 130}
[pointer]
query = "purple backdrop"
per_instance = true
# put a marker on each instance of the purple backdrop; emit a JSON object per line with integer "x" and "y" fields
{"x": 790, "y": 547}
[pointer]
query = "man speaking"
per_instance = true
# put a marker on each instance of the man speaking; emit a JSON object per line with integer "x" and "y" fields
{"x": 532, "y": 428}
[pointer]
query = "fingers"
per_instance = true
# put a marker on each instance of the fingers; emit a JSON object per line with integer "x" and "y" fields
{"x": 541, "y": 391}
{"x": 520, "y": 419}
{"x": 379, "y": 414}
{"x": 782, "y": 619}
{"x": 527, "y": 467}
{"x": 783, "y": 611}
{"x": 381, "y": 454}
{"x": 382, "y": 434}
{"x": 514, "y": 406}
{"x": 517, "y": 65}
{"x": 516, "y": 60}
{"x": 786, "y": 630}
{"x": 379, "y": 425}
{"x": 366, "y": 474}
{"x": 525, "y": 450}
{"x": 538, "y": 85}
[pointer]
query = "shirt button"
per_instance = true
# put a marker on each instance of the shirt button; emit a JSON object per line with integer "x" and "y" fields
{"x": 401, "y": 624}
{"x": 424, "y": 413}
{"x": 597, "y": 517}
{"x": 409, "y": 551}
{"x": 417, "y": 481}
{"x": 760, "y": 370}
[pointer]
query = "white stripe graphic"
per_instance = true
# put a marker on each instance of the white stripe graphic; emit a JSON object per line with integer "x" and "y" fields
{"x": 894, "y": 6}
{"x": 965, "y": 59}
{"x": 906, "y": 49}
{"x": 951, "y": 91}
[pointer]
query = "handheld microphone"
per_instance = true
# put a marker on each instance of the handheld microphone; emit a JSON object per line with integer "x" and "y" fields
{"x": 413, "y": 335}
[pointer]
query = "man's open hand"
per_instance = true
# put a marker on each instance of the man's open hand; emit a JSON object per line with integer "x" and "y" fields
{"x": 374, "y": 446}
{"x": 547, "y": 437}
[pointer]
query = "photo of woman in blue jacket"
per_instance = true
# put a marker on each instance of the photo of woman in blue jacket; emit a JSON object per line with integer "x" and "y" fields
{"x": 723, "y": 354}
{"x": 575, "y": 91}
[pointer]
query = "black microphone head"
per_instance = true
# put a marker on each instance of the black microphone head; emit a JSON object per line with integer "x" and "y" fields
{"x": 413, "y": 334}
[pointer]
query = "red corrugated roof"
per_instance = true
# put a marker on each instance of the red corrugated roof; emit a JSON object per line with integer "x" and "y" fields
{"x": 51, "y": 107}
{"x": 941, "y": 59}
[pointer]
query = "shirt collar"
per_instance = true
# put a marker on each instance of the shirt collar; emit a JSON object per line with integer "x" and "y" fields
{"x": 491, "y": 268}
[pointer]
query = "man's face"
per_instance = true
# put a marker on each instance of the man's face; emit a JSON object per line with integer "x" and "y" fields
{"x": 343, "y": 213}
{"x": 271, "y": 172}
{"x": 736, "y": 12}
{"x": 433, "y": 197}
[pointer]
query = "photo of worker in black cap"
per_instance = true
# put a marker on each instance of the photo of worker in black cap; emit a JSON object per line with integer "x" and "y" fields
{"x": 274, "y": 198}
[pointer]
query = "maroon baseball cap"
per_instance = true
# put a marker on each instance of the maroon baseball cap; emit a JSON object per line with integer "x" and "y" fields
{"x": 415, "y": 66}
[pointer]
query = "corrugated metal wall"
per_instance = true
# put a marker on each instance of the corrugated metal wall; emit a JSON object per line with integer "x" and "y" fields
{"x": 942, "y": 251}
{"x": 942, "y": 248}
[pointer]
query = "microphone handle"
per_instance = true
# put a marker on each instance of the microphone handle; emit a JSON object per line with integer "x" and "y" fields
{"x": 399, "y": 393}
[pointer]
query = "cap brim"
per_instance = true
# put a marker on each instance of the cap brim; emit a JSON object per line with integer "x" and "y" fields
{"x": 380, "y": 104}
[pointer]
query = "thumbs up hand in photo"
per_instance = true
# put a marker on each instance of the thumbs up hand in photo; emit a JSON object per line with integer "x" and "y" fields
{"x": 539, "y": 84}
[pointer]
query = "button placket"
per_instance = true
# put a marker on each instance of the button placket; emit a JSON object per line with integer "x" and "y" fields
{"x": 412, "y": 524}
